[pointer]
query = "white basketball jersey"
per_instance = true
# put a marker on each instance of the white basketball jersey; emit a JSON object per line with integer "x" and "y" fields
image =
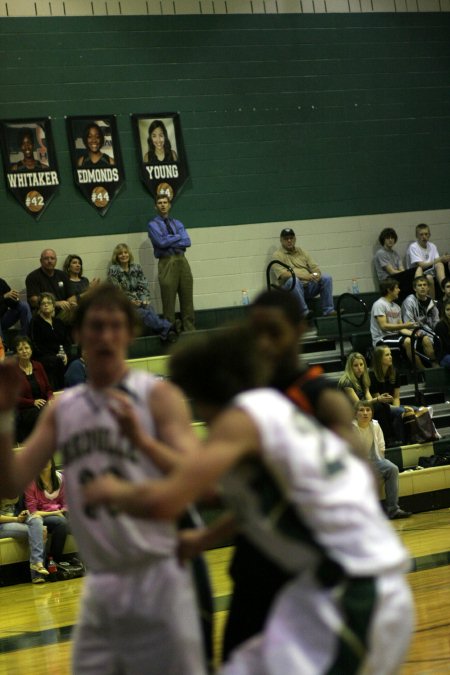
{"x": 310, "y": 499}
{"x": 90, "y": 441}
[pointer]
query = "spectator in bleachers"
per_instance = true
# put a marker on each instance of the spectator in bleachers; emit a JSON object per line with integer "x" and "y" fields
{"x": 77, "y": 284}
{"x": 76, "y": 372}
{"x": 48, "y": 279}
{"x": 355, "y": 383}
{"x": 309, "y": 280}
{"x": 445, "y": 287}
{"x": 421, "y": 309}
{"x": 386, "y": 325}
{"x": 12, "y": 309}
{"x": 21, "y": 525}
{"x": 385, "y": 387}
{"x": 50, "y": 339}
{"x": 424, "y": 254}
{"x": 35, "y": 390}
{"x": 373, "y": 440}
{"x": 389, "y": 264}
{"x": 129, "y": 276}
{"x": 45, "y": 497}
{"x": 443, "y": 332}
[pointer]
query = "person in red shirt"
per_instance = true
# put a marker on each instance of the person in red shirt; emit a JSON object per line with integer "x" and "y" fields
{"x": 35, "y": 390}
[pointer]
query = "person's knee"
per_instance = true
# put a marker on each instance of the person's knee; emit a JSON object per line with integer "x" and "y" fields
{"x": 326, "y": 280}
{"x": 391, "y": 469}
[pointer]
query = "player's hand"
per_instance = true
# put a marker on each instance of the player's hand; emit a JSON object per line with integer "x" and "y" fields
{"x": 102, "y": 490}
{"x": 63, "y": 304}
{"x": 9, "y": 384}
{"x": 121, "y": 406}
{"x": 190, "y": 543}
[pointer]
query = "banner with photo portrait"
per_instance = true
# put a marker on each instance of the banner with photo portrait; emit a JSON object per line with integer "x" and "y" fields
{"x": 29, "y": 162}
{"x": 96, "y": 158}
{"x": 161, "y": 155}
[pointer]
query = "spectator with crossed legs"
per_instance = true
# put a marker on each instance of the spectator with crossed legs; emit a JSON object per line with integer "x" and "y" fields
{"x": 372, "y": 440}
{"x": 129, "y": 276}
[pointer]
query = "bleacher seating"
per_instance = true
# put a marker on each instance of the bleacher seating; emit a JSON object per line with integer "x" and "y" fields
{"x": 420, "y": 490}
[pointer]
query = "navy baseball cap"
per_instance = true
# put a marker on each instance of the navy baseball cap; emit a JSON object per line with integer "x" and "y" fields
{"x": 287, "y": 232}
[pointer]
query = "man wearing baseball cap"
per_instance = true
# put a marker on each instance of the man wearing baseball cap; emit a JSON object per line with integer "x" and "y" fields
{"x": 309, "y": 280}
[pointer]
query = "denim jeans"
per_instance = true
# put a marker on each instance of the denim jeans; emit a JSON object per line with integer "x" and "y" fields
{"x": 389, "y": 473}
{"x": 324, "y": 287}
{"x": 151, "y": 319}
{"x": 20, "y": 312}
{"x": 445, "y": 361}
{"x": 31, "y": 530}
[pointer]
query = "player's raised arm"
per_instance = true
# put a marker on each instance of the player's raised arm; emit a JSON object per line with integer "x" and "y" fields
{"x": 233, "y": 436}
{"x": 17, "y": 469}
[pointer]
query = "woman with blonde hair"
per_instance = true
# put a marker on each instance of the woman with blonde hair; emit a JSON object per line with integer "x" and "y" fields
{"x": 355, "y": 382}
{"x": 129, "y": 276}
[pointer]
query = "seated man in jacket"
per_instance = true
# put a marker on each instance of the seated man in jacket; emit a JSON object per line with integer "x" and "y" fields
{"x": 421, "y": 309}
{"x": 309, "y": 280}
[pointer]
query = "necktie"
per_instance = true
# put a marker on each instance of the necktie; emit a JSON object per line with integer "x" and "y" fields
{"x": 169, "y": 227}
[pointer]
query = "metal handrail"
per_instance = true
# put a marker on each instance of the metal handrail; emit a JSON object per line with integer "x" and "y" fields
{"x": 419, "y": 398}
{"x": 347, "y": 319}
{"x": 287, "y": 267}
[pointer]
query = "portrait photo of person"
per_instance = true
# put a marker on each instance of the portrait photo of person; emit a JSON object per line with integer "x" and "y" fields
{"x": 94, "y": 139}
{"x": 24, "y": 145}
{"x": 160, "y": 152}
{"x": 160, "y": 144}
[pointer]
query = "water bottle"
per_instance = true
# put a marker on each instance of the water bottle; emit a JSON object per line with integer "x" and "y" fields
{"x": 245, "y": 298}
{"x": 355, "y": 287}
{"x": 61, "y": 353}
{"x": 52, "y": 569}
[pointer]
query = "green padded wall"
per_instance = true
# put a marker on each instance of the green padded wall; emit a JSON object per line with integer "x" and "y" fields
{"x": 284, "y": 116}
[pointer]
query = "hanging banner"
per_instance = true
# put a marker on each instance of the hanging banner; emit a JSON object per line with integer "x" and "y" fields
{"x": 29, "y": 162}
{"x": 161, "y": 155}
{"x": 96, "y": 158}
